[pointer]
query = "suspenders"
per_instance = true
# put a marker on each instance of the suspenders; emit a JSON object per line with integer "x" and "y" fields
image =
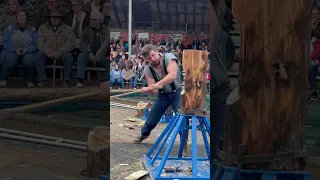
{"x": 173, "y": 86}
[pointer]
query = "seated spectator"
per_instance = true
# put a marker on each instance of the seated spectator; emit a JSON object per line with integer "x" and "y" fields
{"x": 139, "y": 77}
{"x": 113, "y": 65}
{"x": 8, "y": 17}
{"x": 19, "y": 44}
{"x": 36, "y": 11}
{"x": 77, "y": 19}
{"x": 206, "y": 40}
{"x": 90, "y": 42}
{"x": 185, "y": 43}
{"x": 196, "y": 43}
{"x": 127, "y": 76}
{"x": 115, "y": 77}
{"x": 56, "y": 41}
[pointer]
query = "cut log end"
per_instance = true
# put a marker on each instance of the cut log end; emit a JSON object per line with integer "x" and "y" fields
{"x": 98, "y": 152}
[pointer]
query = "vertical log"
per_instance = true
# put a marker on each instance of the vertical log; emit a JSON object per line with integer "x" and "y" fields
{"x": 272, "y": 105}
{"x": 195, "y": 64}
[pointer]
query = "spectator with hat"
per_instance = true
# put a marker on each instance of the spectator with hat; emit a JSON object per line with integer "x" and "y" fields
{"x": 56, "y": 41}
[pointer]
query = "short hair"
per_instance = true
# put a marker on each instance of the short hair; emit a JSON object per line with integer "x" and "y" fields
{"x": 145, "y": 51}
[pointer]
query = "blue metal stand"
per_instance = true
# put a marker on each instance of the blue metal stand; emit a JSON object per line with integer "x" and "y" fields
{"x": 233, "y": 173}
{"x": 180, "y": 124}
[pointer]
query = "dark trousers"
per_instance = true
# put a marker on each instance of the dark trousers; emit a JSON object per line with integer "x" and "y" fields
{"x": 218, "y": 115}
{"x": 159, "y": 107}
{"x": 313, "y": 70}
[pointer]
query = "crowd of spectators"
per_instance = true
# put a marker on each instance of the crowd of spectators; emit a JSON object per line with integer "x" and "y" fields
{"x": 127, "y": 72}
{"x": 36, "y": 33}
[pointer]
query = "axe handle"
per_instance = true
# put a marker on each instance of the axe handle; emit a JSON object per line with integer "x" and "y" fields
{"x": 124, "y": 94}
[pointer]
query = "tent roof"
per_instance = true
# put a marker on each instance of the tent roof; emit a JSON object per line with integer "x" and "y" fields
{"x": 162, "y": 15}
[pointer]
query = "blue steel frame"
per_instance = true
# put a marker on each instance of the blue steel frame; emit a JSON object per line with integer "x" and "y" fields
{"x": 179, "y": 123}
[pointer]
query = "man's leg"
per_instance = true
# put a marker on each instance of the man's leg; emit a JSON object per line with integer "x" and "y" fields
{"x": 67, "y": 59}
{"x": 112, "y": 81}
{"x": 40, "y": 65}
{"x": 218, "y": 115}
{"x": 313, "y": 69}
{"x": 9, "y": 61}
{"x": 144, "y": 82}
{"x": 131, "y": 83}
{"x": 122, "y": 83}
{"x": 135, "y": 82}
{"x": 158, "y": 108}
{"x": 29, "y": 68}
{"x": 81, "y": 68}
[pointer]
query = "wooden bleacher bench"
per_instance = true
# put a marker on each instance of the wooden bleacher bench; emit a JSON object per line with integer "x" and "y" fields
{"x": 59, "y": 68}
{"x": 89, "y": 69}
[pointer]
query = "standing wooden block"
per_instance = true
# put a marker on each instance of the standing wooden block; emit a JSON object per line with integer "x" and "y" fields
{"x": 195, "y": 64}
{"x": 98, "y": 153}
{"x": 272, "y": 104}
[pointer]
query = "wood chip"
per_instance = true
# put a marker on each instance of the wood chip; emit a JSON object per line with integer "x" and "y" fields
{"x": 137, "y": 175}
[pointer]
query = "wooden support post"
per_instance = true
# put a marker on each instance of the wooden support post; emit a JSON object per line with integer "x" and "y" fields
{"x": 272, "y": 81}
{"x": 98, "y": 154}
{"x": 195, "y": 64}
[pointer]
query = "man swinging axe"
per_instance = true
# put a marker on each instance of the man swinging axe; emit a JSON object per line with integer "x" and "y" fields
{"x": 164, "y": 81}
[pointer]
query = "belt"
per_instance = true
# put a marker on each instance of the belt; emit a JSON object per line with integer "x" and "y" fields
{"x": 161, "y": 92}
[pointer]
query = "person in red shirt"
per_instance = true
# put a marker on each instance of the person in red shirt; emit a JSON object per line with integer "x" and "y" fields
{"x": 315, "y": 53}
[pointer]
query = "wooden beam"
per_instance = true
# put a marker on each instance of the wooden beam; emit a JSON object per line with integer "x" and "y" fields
{"x": 177, "y": 15}
{"x": 194, "y": 16}
{"x": 124, "y": 11}
{"x": 159, "y": 14}
{"x": 203, "y": 14}
{"x": 272, "y": 104}
{"x": 168, "y": 15}
{"x": 116, "y": 13}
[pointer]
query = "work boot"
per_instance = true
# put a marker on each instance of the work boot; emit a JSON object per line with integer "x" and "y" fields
{"x": 139, "y": 139}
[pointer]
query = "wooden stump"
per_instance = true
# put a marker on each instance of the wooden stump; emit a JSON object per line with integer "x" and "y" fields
{"x": 140, "y": 108}
{"x": 98, "y": 153}
{"x": 272, "y": 81}
{"x": 195, "y": 65}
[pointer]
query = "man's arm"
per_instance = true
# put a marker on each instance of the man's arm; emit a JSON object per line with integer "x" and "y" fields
{"x": 151, "y": 81}
{"x": 171, "y": 76}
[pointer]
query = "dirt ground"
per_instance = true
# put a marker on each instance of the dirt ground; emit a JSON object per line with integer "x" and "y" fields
{"x": 27, "y": 161}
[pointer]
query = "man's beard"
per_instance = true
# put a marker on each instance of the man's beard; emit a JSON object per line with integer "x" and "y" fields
{"x": 156, "y": 63}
